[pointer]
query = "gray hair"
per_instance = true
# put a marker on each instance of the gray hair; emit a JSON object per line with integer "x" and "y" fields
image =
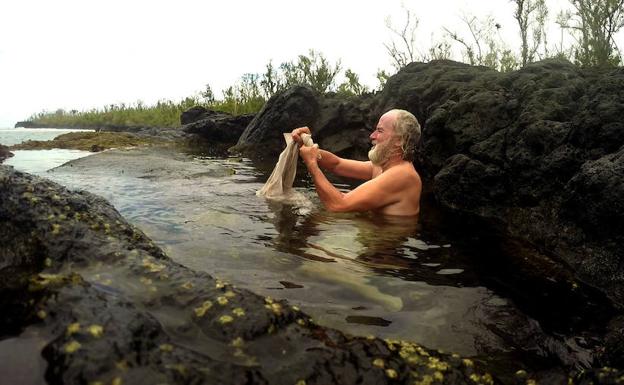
{"x": 407, "y": 128}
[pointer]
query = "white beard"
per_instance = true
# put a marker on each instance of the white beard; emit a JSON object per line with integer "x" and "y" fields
{"x": 380, "y": 153}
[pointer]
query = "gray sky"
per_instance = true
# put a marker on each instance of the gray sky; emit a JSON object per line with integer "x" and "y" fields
{"x": 86, "y": 54}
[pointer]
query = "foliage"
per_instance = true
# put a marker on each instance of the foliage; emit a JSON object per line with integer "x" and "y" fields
{"x": 165, "y": 113}
{"x": 352, "y": 85}
{"x": 593, "y": 25}
{"x": 483, "y": 47}
{"x": 531, "y": 16}
{"x": 404, "y": 52}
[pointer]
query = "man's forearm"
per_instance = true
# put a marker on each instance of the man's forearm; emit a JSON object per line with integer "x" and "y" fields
{"x": 330, "y": 195}
{"x": 328, "y": 160}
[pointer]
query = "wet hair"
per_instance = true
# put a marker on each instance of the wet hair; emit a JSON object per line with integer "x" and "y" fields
{"x": 406, "y": 128}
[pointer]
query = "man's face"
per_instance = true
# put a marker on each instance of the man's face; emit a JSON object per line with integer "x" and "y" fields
{"x": 384, "y": 142}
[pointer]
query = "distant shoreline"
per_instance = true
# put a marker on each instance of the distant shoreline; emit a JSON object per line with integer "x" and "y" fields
{"x": 105, "y": 127}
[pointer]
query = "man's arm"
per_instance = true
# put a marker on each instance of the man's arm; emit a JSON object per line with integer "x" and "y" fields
{"x": 343, "y": 167}
{"x": 371, "y": 195}
{"x": 346, "y": 167}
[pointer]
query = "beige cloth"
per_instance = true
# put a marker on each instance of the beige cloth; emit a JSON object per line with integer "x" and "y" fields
{"x": 279, "y": 185}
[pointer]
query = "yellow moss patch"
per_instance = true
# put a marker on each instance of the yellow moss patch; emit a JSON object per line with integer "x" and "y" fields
{"x": 222, "y": 301}
{"x": 239, "y": 312}
{"x": 152, "y": 267}
{"x": 96, "y": 331}
{"x": 378, "y": 362}
{"x": 277, "y": 308}
{"x": 391, "y": 373}
{"x": 166, "y": 347}
{"x": 73, "y": 328}
{"x": 426, "y": 380}
{"x": 72, "y": 346}
{"x": 229, "y": 294}
{"x": 42, "y": 314}
{"x": 201, "y": 310}
{"x": 56, "y": 228}
{"x": 226, "y": 319}
{"x": 237, "y": 342}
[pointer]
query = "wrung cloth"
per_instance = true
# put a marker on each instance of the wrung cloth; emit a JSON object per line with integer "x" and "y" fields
{"x": 279, "y": 185}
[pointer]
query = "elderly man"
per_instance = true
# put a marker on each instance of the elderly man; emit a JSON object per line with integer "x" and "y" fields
{"x": 393, "y": 186}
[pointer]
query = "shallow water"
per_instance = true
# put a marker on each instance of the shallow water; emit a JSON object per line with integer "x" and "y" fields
{"x": 363, "y": 274}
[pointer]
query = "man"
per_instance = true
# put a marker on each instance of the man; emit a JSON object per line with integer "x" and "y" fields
{"x": 393, "y": 186}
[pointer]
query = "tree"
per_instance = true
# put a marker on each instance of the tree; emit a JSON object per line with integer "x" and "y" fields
{"x": 593, "y": 25}
{"x": 352, "y": 85}
{"x": 208, "y": 95}
{"x": 483, "y": 48}
{"x": 404, "y": 52}
{"x": 531, "y": 16}
{"x": 270, "y": 82}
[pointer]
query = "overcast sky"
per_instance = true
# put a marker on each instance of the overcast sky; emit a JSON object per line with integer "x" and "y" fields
{"x": 84, "y": 54}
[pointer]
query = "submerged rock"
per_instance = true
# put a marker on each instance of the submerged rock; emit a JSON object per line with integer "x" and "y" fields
{"x": 109, "y": 306}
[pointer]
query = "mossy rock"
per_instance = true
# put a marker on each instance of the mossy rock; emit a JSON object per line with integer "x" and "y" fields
{"x": 89, "y": 141}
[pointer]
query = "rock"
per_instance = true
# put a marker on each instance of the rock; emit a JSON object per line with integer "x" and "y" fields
{"x": 216, "y": 127}
{"x": 109, "y": 306}
{"x": 4, "y": 153}
{"x": 194, "y": 114}
{"x": 339, "y": 124}
{"x": 297, "y": 106}
{"x": 538, "y": 151}
{"x": 91, "y": 141}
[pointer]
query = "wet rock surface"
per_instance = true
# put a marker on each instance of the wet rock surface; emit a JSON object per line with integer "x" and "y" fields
{"x": 109, "y": 306}
{"x": 538, "y": 151}
{"x": 4, "y": 153}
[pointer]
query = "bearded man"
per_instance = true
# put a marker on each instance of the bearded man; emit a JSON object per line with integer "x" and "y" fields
{"x": 393, "y": 186}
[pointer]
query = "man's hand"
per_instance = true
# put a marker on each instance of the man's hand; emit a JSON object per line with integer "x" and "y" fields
{"x": 296, "y": 134}
{"x": 309, "y": 154}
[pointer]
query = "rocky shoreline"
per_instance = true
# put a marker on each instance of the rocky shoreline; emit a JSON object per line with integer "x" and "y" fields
{"x": 536, "y": 155}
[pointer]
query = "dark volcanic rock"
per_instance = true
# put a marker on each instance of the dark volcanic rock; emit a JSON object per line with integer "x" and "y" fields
{"x": 338, "y": 124}
{"x": 194, "y": 114}
{"x": 215, "y": 127}
{"x": 4, "y": 153}
{"x": 538, "y": 151}
{"x": 111, "y": 307}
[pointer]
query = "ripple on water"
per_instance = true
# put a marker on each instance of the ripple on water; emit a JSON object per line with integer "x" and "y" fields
{"x": 349, "y": 266}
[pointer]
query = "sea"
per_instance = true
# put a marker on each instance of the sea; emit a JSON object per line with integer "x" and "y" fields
{"x": 37, "y": 161}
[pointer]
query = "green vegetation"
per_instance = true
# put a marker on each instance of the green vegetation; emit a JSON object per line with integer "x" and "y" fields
{"x": 247, "y": 95}
{"x": 165, "y": 113}
{"x": 591, "y": 23}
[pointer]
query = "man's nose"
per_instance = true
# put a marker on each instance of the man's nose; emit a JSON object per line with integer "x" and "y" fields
{"x": 373, "y": 135}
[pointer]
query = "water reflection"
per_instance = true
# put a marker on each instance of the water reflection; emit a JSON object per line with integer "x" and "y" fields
{"x": 362, "y": 273}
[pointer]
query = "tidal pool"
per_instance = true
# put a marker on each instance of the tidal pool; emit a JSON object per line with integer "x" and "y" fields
{"x": 360, "y": 273}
